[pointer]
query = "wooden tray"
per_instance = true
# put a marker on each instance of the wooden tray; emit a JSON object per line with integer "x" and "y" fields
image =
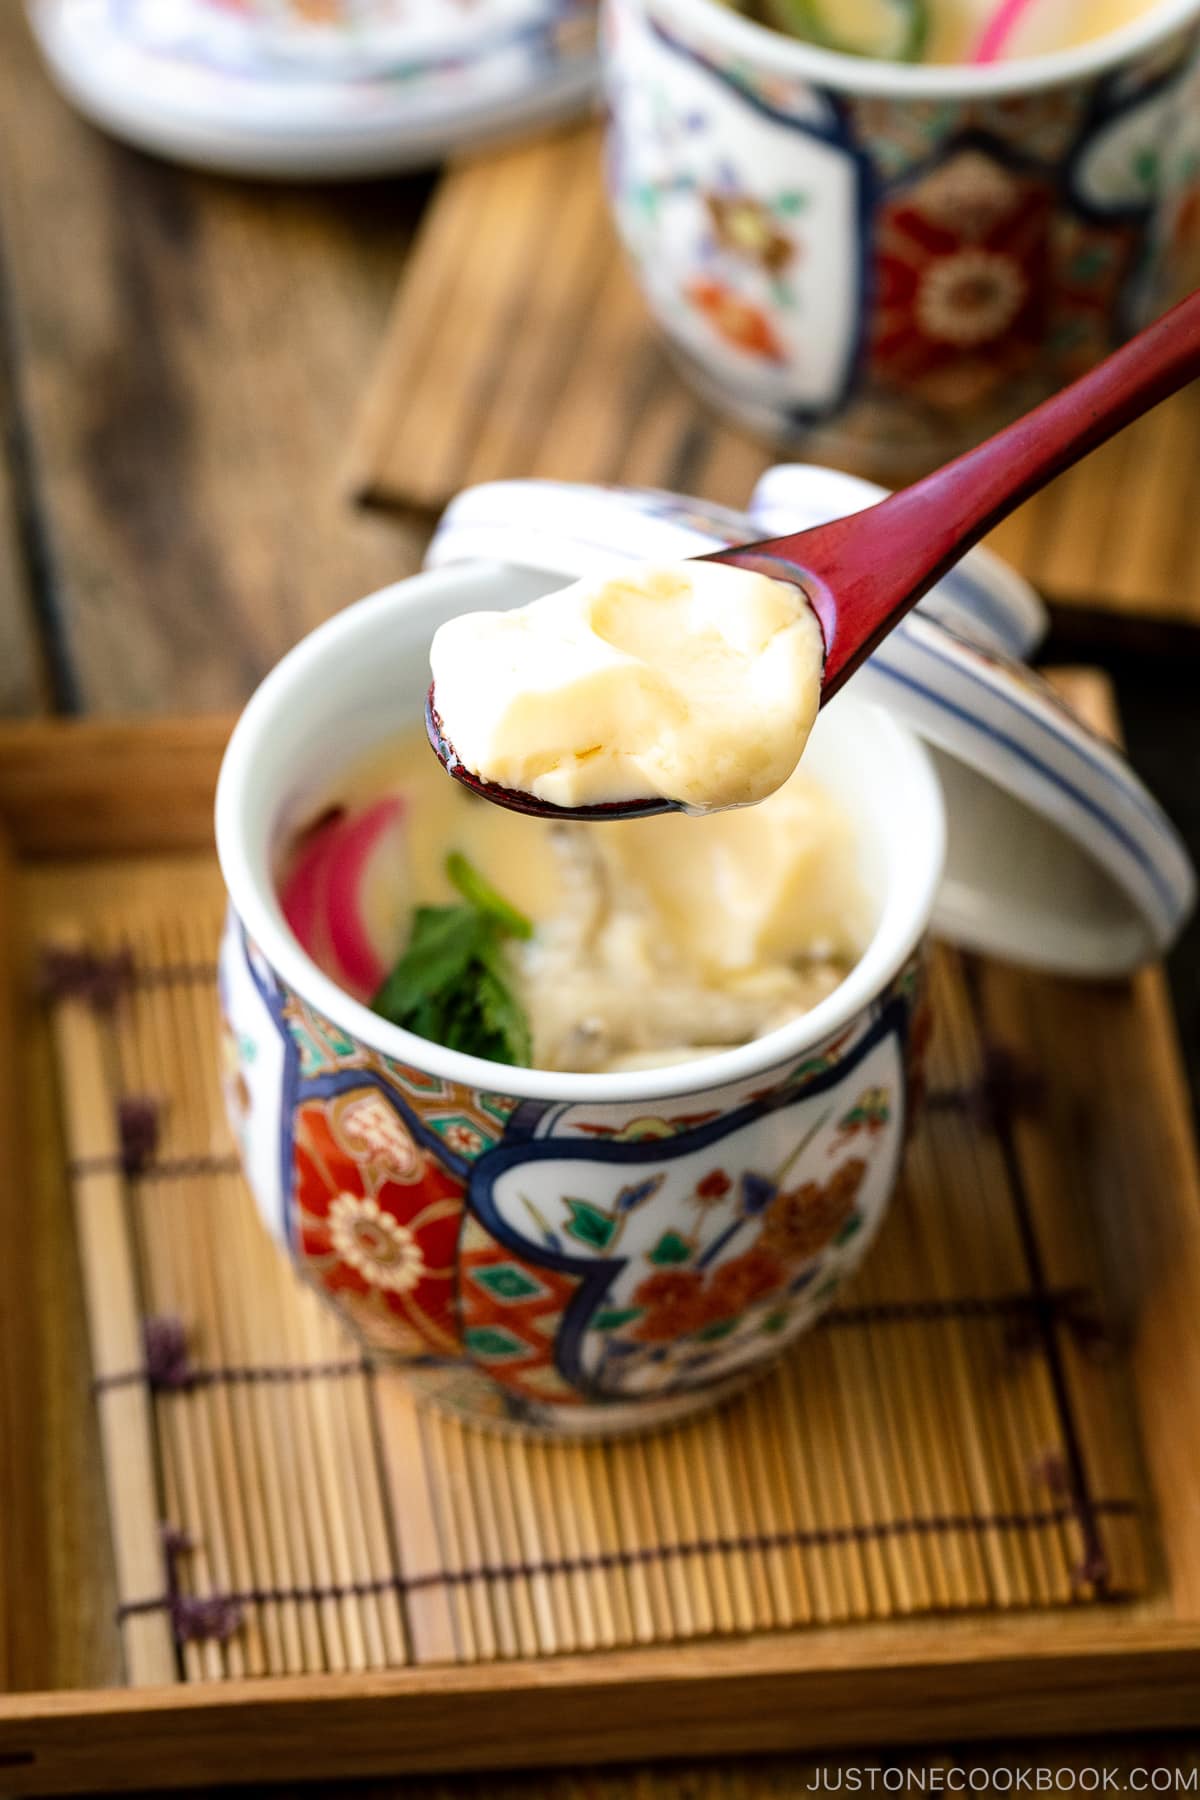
{"x": 584, "y": 392}
{"x": 1009, "y": 1541}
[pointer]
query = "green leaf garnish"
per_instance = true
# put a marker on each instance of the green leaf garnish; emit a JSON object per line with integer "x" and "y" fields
{"x": 453, "y": 984}
{"x": 895, "y": 30}
{"x": 479, "y": 891}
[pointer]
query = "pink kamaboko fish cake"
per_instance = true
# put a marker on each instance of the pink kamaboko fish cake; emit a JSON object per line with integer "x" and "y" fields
{"x": 340, "y": 894}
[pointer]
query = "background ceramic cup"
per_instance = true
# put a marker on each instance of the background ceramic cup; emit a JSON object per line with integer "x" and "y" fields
{"x": 350, "y": 37}
{"x": 574, "y": 1253}
{"x": 318, "y": 90}
{"x": 886, "y": 262}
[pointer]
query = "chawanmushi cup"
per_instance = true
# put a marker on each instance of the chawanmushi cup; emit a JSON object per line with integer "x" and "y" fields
{"x": 577, "y": 1254}
{"x": 884, "y": 262}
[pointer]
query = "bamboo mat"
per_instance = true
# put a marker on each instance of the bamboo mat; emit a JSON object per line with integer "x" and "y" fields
{"x": 519, "y": 346}
{"x": 947, "y": 1441}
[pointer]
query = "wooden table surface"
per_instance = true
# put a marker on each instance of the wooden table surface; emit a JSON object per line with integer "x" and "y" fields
{"x": 180, "y": 363}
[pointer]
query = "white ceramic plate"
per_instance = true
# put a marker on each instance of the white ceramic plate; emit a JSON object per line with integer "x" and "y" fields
{"x": 222, "y": 84}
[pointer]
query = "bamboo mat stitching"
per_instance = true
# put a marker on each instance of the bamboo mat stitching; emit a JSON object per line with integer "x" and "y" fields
{"x": 1095, "y": 1563}
{"x": 1034, "y": 1320}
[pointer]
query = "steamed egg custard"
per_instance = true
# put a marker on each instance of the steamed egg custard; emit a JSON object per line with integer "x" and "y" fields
{"x": 570, "y": 946}
{"x": 944, "y": 31}
{"x": 696, "y": 683}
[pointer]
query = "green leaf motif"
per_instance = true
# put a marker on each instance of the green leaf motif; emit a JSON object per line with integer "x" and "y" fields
{"x": 1146, "y": 166}
{"x": 851, "y": 1228}
{"x": 720, "y": 1329}
{"x": 507, "y": 1282}
{"x": 645, "y": 198}
{"x": 809, "y": 1070}
{"x": 791, "y": 203}
{"x": 490, "y": 1343}
{"x": 613, "y": 1317}
{"x": 1090, "y": 264}
{"x": 589, "y": 1224}
{"x": 307, "y": 1049}
{"x": 670, "y": 1250}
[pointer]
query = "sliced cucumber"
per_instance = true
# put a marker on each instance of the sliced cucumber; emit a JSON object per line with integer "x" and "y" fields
{"x": 894, "y": 30}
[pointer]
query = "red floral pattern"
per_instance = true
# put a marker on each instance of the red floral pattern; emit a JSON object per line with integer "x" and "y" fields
{"x": 963, "y": 278}
{"x": 377, "y": 1219}
{"x": 714, "y": 1186}
{"x": 674, "y": 1303}
{"x": 738, "y": 1283}
{"x": 678, "y": 1302}
{"x": 982, "y": 277}
{"x": 744, "y": 326}
{"x": 804, "y": 1220}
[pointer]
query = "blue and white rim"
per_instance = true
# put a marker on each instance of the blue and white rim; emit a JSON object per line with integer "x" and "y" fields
{"x": 949, "y": 670}
{"x": 984, "y": 596}
{"x": 572, "y": 529}
{"x": 995, "y": 715}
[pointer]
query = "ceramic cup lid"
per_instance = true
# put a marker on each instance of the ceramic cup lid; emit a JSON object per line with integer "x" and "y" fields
{"x": 271, "y": 87}
{"x": 572, "y": 529}
{"x": 1058, "y": 857}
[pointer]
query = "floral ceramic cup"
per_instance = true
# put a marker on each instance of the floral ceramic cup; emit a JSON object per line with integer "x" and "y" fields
{"x": 576, "y": 1254}
{"x": 886, "y": 262}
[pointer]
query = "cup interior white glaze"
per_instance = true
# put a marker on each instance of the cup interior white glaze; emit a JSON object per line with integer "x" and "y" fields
{"x": 363, "y": 676}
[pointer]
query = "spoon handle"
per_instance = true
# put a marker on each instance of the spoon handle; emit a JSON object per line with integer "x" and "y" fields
{"x": 876, "y": 565}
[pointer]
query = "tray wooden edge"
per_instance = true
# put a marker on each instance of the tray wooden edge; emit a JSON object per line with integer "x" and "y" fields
{"x": 92, "y": 788}
{"x": 795, "y": 1693}
{"x": 88, "y": 787}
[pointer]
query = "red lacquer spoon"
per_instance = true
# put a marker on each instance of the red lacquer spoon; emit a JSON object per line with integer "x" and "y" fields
{"x": 862, "y": 574}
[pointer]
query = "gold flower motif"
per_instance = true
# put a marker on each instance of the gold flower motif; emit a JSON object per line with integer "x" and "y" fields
{"x": 746, "y": 228}
{"x": 383, "y": 1251}
{"x": 969, "y": 195}
{"x": 372, "y": 1132}
{"x": 970, "y": 298}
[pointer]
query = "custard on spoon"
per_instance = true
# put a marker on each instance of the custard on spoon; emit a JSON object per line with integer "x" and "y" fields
{"x": 694, "y": 687}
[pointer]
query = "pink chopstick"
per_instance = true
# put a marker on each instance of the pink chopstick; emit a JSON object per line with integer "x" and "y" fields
{"x": 999, "y": 29}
